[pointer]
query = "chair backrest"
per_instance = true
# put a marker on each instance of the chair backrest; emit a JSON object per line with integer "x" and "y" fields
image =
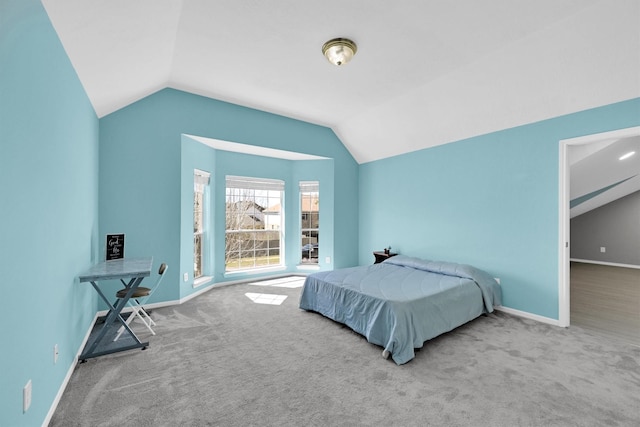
{"x": 161, "y": 271}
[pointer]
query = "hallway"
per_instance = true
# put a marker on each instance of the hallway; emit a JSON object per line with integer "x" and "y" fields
{"x": 606, "y": 299}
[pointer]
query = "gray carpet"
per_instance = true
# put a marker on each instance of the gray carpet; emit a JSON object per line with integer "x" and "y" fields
{"x": 223, "y": 360}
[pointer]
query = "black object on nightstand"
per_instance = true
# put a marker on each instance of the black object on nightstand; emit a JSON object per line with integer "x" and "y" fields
{"x": 382, "y": 255}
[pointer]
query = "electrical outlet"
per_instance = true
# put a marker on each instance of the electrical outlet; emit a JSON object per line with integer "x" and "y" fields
{"x": 327, "y": 260}
{"x": 55, "y": 353}
{"x": 185, "y": 277}
{"x": 26, "y": 397}
{"x": 603, "y": 249}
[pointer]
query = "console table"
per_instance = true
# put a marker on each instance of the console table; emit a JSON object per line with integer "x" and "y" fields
{"x": 130, "y": 271}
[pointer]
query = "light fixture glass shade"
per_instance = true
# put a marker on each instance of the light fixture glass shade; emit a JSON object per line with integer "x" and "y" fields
{"x": 339, "y": 51}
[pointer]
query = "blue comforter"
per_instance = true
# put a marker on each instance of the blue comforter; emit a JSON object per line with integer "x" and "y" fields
{"x": 402, "y": 302}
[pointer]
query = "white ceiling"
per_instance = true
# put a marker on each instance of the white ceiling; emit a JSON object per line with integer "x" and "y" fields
{"x": 427, "y": 72}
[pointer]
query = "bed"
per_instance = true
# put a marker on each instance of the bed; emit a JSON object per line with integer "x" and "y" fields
{"x": 403, "y": 301}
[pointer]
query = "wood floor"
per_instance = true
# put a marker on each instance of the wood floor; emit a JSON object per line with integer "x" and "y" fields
{"x": 606, "y": 299}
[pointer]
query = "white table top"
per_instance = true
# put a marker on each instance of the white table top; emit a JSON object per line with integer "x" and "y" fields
{"x": 118, "y": 269}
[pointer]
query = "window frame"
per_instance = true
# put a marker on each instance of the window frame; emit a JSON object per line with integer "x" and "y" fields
{"x": 200, "y": 224}
{"x": 245, "y": 215}
{"x": 309, "y": 190}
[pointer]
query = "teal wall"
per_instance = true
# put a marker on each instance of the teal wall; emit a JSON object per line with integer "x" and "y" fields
{"x": 48, "y": 211}
{"x": 490, "y": 201}
{"x": 146, "y": 163}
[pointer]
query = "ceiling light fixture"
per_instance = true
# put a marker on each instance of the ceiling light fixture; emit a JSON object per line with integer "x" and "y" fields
{"x": 339, "y": 51}
{"x": 626, "y": 156}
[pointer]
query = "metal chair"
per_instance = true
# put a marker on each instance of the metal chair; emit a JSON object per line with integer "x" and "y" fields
{"x": 137, "y": 300}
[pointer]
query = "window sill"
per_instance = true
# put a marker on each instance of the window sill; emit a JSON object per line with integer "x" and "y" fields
{"x": 254, "y": 271}
{"x": 308, "y": 267}
{"x": 201, "y": 281}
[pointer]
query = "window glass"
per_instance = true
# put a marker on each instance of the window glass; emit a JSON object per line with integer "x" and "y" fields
{"x": 309, "y": 221}
{"x": 200, "y": 190}
{"x": 254, "y": 218}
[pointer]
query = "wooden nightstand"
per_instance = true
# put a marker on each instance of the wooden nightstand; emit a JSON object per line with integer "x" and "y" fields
{"x": 381, "y": 256}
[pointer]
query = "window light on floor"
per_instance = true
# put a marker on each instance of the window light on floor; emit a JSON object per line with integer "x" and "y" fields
{"x": 270, "y": 299}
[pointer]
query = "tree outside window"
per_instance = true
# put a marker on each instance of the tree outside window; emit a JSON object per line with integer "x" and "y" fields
{"x": 253, "y": 223}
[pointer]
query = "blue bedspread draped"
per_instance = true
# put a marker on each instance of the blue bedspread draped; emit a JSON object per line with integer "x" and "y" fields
{"x": 402, "y": 302}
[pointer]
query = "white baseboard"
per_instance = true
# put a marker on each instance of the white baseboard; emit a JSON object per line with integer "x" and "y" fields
{"x": 128, "y": 309}
{"x": 610, "y": 264}
{"x": 528, "y": 315}
{"x": 203, "y": 290}
{"x": 67, "y": 377}
{"x": 153, "y": 305}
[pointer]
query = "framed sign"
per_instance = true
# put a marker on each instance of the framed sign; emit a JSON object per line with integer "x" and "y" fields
{"x": 115, "y": 247}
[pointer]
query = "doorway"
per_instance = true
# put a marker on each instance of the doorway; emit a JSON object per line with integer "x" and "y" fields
{"x": 564, "y": 211}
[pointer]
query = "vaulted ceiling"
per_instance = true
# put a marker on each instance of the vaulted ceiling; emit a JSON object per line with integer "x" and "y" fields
{"x": 427, "y": 72}
{"x": 603, "y": 171}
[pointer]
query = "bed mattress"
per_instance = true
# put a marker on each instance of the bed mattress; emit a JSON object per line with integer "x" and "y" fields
{"x": 402, "y": 302}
